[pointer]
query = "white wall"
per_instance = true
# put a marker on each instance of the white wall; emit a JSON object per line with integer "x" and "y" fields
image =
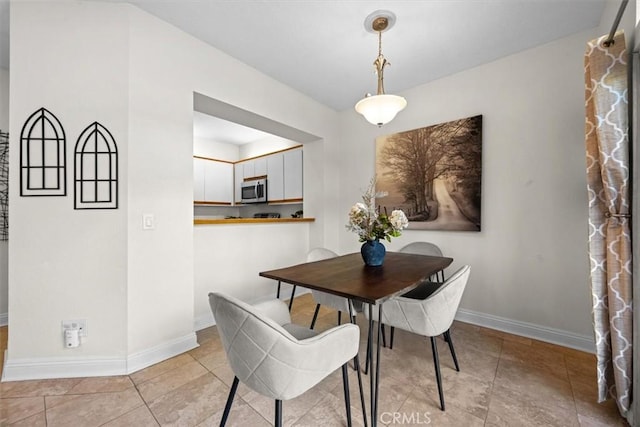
{"x": 529, "y": 263}
{"x": 228, "y": 259}
{"x": 265, "y": 145}
{"x": 66, "y": 263}
{"x": 4, "y": 247}
{"x": 207, "y": 147}
{"x": 137, "y": 75}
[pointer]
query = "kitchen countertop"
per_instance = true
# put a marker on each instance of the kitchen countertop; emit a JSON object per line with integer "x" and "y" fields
{"x": 211, "y": 221}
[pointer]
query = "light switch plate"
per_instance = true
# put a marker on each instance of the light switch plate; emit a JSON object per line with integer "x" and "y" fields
{"x": 148, "y": 222}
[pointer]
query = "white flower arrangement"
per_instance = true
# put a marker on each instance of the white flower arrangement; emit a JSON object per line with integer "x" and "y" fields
{"x": 369, "y": 224}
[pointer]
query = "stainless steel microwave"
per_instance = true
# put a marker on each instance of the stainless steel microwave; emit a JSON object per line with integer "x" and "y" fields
{"x": 254, "y": 191}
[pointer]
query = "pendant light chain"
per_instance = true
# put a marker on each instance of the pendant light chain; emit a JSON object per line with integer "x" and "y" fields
{"x": 380, "y": 63}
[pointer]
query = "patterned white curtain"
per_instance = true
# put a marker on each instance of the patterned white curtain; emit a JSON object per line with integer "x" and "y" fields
{"x": 608, "y": 180}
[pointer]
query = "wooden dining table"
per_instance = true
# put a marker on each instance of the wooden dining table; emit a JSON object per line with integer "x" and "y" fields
{"x": 347, "y": 276}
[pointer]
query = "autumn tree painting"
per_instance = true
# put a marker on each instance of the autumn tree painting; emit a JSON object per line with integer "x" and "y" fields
{"x": 433, "y": 174}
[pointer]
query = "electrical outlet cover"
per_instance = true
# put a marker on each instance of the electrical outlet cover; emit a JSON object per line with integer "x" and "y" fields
{"x": 80, "y": 324}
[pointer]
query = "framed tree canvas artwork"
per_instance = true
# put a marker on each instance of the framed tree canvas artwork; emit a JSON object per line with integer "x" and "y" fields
{"x": 434, "y": 174}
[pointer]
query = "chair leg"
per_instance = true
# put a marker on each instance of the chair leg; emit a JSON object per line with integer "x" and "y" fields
{"x": 356, "y": 360}
{"x": 352, "y": 317}
{"x": 347, "y": 400}
{"x": 278, "y": 422}
{"x": 293, "y": 292}
{"x": 384, "y": 338}
{"x": 447, "y": 338}
{"x": 391, "y": 338}
{"x": 278, "y": 291}
{"x": 315, "y": 316}
{"x": 436, "y": 363}
{"x": 227, "y": 407}
{"x": 368, "y": 355}
{"x": 339, "y": 317}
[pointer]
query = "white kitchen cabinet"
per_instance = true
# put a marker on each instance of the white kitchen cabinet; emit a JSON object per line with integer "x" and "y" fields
{"x": 248, "y": 169}
{"x": 238, "y": 177}
{"x": 198, "y": 178}
{"x": 260, "y": 166}
{"x": 275, "y": 177}
{"x": 218, "y": 184}
{"x": 212, "y": 182}
{"x": 254, "y": 168}
{"x": 293, "y": 184}
{"x": 283, "y": 171}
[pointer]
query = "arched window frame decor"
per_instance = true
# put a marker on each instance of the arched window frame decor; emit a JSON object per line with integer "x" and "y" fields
{"x": 96, "y": 169}
{"x": 43, "y": 165}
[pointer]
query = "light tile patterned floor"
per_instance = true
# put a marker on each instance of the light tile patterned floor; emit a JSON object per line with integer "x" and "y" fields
{"x": 505, "y": 380}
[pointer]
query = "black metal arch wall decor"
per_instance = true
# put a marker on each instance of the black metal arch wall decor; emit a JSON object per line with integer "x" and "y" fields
{"x": 43, "y": 165}
{"x": 4, "y": 186}
{"x": 96, "y": 169}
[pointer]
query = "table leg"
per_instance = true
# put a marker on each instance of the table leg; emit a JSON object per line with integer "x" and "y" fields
{"x": 374, "y": 411}
{"x": 356, "y": 361}
{"x": 374, "y": 376}
{"x": 370, "y": 365}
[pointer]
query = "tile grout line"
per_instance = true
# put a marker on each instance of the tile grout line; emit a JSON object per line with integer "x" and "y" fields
{"x": 144, "y": 402}
{"x": 573, "y": 392}
{"x": 493, "y": 381}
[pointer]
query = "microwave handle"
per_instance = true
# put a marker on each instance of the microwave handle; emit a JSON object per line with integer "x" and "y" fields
{"x": 260, "y": 190}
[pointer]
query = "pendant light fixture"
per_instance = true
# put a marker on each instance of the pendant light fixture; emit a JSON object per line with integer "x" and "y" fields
{"x": 381, "y": 108}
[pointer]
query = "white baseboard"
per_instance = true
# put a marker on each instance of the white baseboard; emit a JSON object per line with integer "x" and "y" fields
{"x": 161, "y": 352}
{"x": 529, "y": 330}
{"x": 74, "y": 367}
{"x": 4, "y": 319}
{"x": 35, "y": 369}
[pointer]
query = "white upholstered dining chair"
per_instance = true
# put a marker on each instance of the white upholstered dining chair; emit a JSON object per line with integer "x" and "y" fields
{"x": 279, "y": 359}
{"x": 425, "y": 248}
{"x": 425, "y": 288}
{"x": 429, "y": 316}
{"x": 338, "y": 303}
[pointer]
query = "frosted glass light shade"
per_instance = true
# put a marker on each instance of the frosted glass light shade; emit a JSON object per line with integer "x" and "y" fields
{"x": 380, "y": 109}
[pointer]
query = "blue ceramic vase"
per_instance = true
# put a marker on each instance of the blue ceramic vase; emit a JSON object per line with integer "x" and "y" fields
{"x": 373, "y": 252}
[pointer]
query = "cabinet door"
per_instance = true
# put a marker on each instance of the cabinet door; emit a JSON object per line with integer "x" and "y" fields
{"x": 260, "y": 166}
{"x": 218, "y": 184}
{"x": 238, "y": 177}
{"x": 275, "y": 177}
{"x": 248, "y": 169}
{"x": 198, "y": 179}
{"x": 293, "y": 184}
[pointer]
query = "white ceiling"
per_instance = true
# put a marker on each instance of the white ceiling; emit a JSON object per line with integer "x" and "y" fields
{"x": 219, "y": 130}
{"x": 321, "y": 47}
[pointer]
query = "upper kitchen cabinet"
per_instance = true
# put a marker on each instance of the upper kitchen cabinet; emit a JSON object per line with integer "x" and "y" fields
{"x": 254, "y": 168}
{"x": 212, "y": 182}
{"x": 275, "y": 177}
{"x": 238, "y": 177}
{"x": 293, "y": 175}
{"x": 284, "y": 176}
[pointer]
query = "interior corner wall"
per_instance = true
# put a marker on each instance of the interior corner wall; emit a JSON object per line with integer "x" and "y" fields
{"x": 529, "y": 264}
{"x": 65, "y": 263}
{"x": 161, "y": 113}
